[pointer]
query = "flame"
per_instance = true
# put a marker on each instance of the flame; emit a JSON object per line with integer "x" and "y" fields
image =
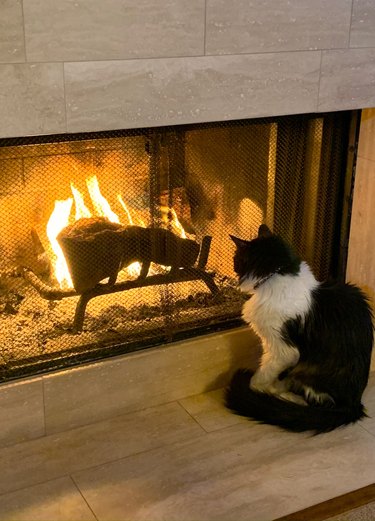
{"x": 58, "y": 220}
{"x": 61, "y": 217}
{"x": 169, "y": 216}
{"x": 130, "y": 219}
{"x": 101, "y": 205}
{"x": 81, "y": 208}
{"x": 135, "y": 268}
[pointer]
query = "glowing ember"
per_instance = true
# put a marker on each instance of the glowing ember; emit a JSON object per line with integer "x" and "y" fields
{"x": 61, "y": 217}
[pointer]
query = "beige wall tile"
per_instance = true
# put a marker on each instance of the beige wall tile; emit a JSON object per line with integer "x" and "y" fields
{"x": 12, "y": 49}
{"x": 61, "y": 454}
{"x": 58, "y": 500}
{"x": 139, "y": 380}
{"x": 362, "y": 32}
{"x": 347, "y": 79}
{"x": 114, "y": 29}
{"x": 21, "y": 411}
{"x": 137, "y": 93}
{"x": 265, "y": 25}
{"x": 34, "y": 95}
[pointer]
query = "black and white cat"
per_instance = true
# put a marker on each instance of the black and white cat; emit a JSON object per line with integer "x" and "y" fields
{"x": 316, "y": 339}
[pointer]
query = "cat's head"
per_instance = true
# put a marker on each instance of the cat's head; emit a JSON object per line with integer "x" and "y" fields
{"x": 258, "y": 260}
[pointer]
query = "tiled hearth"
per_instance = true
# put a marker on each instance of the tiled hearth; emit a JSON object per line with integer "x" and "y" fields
{"x": 186, "y": 460}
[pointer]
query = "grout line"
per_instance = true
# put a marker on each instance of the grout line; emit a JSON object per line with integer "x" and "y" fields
{"x": 181, "y": 57}
{"x": 90, "y": 424}
{"x": 366, "y": 430}
{"x": 191, "y": 416}
{"x": 83, "y": 497}
{"x": 34, "y": 485}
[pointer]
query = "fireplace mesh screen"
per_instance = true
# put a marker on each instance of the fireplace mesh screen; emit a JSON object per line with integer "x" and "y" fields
{"x": 115, "y": 241}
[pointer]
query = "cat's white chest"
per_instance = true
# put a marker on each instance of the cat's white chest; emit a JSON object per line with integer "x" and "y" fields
{"x": 280, "y": 299}
{"x": 262, "y": 317}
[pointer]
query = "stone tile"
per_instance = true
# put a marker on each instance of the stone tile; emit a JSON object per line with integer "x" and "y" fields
{"x": 58, "y": 500}
{"x": 57, "y": 455}
{"x": 362, "y": 33}
{"x": 347, "y": 79}
{"x": 366, "y": 145}
{"x": 139, "y": 93}
{"x": 209, "y": 411}
{"x": 243, "y": 472}
{"x": 269, "y": 26}
{"x": 145, "y": 379}
{"x": 114, "y": 29}
{"x": 12, "y": 48}
{"x": 34, "y": 95}
{"x": 21, "y": 411}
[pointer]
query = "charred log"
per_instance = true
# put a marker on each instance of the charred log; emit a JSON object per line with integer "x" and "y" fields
{"x": 96, "y": 249}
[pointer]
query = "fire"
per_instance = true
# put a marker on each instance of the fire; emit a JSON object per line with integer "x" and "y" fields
{"x": 62, "y": 216}
{"x": 135, "y": 268}
{"x": 58, "y": 220}
{"x": 169, "y": 216}
{"x": 100, "y": 203}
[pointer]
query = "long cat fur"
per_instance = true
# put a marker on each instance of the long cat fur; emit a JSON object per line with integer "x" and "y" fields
{"x": 316, "y": 338}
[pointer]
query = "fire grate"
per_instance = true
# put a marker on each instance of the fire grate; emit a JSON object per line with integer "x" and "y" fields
{"x": 169, "y": 198}
{"x": 178, "y": 274}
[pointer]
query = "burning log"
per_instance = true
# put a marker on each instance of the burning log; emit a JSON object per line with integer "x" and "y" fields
{"x": 92, "y": 249}
{"x": 95, "y": 249}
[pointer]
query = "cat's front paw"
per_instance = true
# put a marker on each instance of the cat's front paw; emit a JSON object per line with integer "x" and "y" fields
{"x": 260, "y": 385}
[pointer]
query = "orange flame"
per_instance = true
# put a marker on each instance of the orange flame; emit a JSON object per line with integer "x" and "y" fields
{"x": 58, "y": 220}
{"x": 61, "y": 217}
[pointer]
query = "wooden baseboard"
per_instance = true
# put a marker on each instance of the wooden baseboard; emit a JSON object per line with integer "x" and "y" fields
{"x": 335, "y": 506}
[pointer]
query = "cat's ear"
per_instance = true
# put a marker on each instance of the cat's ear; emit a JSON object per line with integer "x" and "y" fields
{"x": 240, "y": 243}
{"x": 264, "y": 231}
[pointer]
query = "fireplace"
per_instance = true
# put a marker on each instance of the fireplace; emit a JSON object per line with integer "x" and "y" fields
{"x": 117, "y": 241}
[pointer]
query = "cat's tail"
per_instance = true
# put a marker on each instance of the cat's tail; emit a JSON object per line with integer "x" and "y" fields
{"x": 291, "y": 416}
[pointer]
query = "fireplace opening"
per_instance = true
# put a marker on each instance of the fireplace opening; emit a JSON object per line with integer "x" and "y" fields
{"x": 116, "y": 241}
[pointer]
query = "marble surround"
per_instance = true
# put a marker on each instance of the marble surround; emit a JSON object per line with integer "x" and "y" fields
{"x": 179, "y": 461}
{"x": 35, "y": 407}
{"x": 86, "y": 65}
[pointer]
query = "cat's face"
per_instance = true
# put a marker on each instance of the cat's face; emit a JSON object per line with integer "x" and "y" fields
{"x": 261, "y": 257}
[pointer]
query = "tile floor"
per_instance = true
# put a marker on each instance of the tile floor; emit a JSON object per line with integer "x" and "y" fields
{"x": 187, "y": 460}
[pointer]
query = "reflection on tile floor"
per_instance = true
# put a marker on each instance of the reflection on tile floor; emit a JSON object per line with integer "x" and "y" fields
{"x": 188, "y": 460}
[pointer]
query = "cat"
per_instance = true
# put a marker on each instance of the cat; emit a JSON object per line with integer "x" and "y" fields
{"x": 316, "y": 339}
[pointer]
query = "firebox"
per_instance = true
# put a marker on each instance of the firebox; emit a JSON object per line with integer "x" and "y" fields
{"x": 116, "y": 241}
